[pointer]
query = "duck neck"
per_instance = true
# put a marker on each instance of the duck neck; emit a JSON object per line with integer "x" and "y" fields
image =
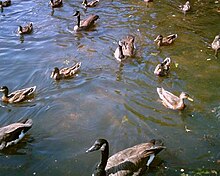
{"x": 78, "y": 20}
{"x": 104, "y": 158}
{"x": 121, "y": 55}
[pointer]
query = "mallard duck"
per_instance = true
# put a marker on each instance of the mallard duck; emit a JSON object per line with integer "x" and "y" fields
{"x": 172, "y": 101}
{"x": 163, "y": 68}
{"x": 119, "y": 55}
{"x": 131, "y": 161}
{"x": 163, "y": 41}
{"x": 56, "y": 4}
{"x": 13, "y": 133}
{"x": 90, "y": 4}
{"x": 5, "y": 3}
{"x": 185, "y": 8}
{"x": 64, "y": 73}
{"x": 216, "y": 44}
{"x": 84, "y": 24}
{"x": 128, "y": 45}
{"x": 16, "y": 96}
{"x": 26, "y": 29}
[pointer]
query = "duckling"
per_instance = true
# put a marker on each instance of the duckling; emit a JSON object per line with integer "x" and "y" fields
{"x": 84, "y": 24}
{"x": 119, "y": 55}
{"x": 17, "y": 96}
{"x": 163, "y": 68}
{"x": 64, "y": 73}
{"x": 56, "y": 4}
{"x": 172, "y": 101}
{"x": 185, "y": 8}
{"x": 216, "y": 44}
{"x": 163, "y": 41}
{"x": 26, "y": 29}
{"x": 13, "y": 133}
{"x": 128, "y": 46}
{"x": 131, "y": 161}
{"x": 90, "y": 4}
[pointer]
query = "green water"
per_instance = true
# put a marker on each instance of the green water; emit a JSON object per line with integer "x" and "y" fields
{"x": 107, "y": 99}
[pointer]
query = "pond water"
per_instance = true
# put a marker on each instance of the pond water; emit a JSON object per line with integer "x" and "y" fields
{"x": 107, "y": 99}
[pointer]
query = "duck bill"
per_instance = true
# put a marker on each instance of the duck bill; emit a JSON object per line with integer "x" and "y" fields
{"x": 190, "y": 99}
{"x": 91, "y": 149}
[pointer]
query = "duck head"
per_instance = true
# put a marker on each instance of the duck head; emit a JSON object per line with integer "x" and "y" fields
{"x": 100, "y": 144}
{"x": 4, "y": 89}
{"x": 184, "y": 95}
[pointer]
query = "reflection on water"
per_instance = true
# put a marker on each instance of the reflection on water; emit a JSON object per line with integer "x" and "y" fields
{"x": 107, "y": 99}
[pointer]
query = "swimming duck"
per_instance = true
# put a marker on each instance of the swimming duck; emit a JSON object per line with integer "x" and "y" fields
{"x": 163, "y": 41}
{"x": 56, "y": 4}
{"x": 26, "y": 29}
{"x": 13, "y": 133}
{"x": 119, "y": 55}
{"x": 17, "y": 96}
{"x": 128, "y": 45}
{"x": 5, "y": 3}
{"x": 185, "y": 8}
{"x": 216, "y": 44}
{"x": 172, "y": 101}
{"x": 90, "y": 4}
{"x": 131, "y": 161}
{"x": 84, "y": 24}
{"x": 148, "y": 0}
{"x": 64, "y": 73}
{"x": 163, "y": 68}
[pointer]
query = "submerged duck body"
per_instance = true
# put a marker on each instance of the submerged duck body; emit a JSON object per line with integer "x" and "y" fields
{"x": 90, "y": 4}
{"x": 164, "y": 41}
{"x": 17, "y": 96}
{"x": 67, "y": 72}
{"x": 13, "y": 133}
{"x": 216, "y": 44}
{"x": 163, "y": 68}
{"x": 26, "y": 29}
{"x": 56, "y": 4}
{"x": 131, "y": 161}
{"x": 171, "y": 101}
{"x": 84, "y": 24}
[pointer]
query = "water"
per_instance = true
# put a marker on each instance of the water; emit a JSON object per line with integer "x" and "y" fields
{"x": 115, "y": 101}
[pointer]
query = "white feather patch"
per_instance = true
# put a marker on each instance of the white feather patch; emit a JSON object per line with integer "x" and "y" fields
{"x": 152, "y": 156}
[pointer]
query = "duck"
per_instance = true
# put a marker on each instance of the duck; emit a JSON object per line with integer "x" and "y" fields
{"x": 131, "y": 161}
{"x": 119, "y": 55}
{"x": 13, "y": 133}
{"x": 94, "y": 3}
{"x": 128, "y": 47}
{"x": 64, "y": 73}
{"x": 164, "y": 41}
{"x": 163, "y": 68}
{"x": 26, "y": 29}
{"x": 56, "y": 4}
{"x": 84, "y": 24}
{"x": 186, "y": 7}
{"x": 5, "y": 3}
{"x": 148, "y": 0}
{"x": 171, "y": 101}
{"x": 216, "y": 44}
{"x": 17, "y": 96}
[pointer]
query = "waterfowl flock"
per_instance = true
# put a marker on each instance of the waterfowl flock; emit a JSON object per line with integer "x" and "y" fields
{"x": 133, "y": 160}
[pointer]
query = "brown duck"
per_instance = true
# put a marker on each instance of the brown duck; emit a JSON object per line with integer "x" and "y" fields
{"x": 163, "y": 68}
{"x": 17, "y": 96}
{"x": 56, "y": 4}
{"x": 26, "y": 29}
{"x": 84, "y": 24}
{"x": 164, "y": 41}
{"x": 90, "y": 4}
{"x": 13, "y": 133}
{"x": 64, "y": 73}
{"x": 172, "y": 101}
{"x": 131, "y": 161}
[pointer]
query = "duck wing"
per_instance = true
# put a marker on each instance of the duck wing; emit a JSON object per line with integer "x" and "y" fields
{"x": 89, "y": 21}
{"x": 131, "y": 161}
{"x": 14, "y": 132}
{"x": 168, "y": 98}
